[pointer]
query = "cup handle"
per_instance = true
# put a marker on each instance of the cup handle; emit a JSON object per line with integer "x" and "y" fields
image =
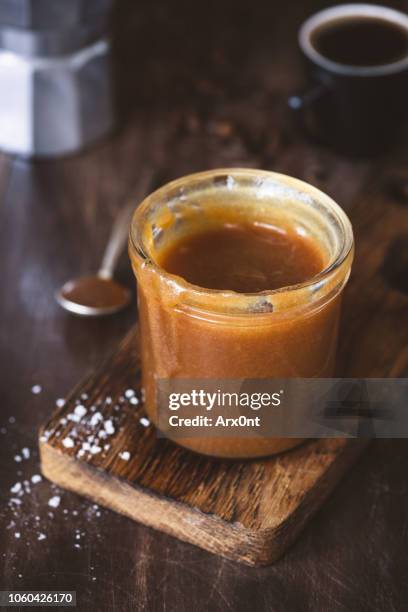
{"x": 302, "y": 102}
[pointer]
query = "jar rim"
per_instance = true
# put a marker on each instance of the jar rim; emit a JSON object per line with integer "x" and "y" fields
{"x": 298, "y": 186}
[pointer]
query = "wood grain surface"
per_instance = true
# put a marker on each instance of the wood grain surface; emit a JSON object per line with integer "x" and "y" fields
{"x": 198, "y": 86}
{"x": 248, "y": 511}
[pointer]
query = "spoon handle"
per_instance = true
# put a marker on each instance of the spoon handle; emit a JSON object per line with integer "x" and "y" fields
{"x": 120, "y": 230}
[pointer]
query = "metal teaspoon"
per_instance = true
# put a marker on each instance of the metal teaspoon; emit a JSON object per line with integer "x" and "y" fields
{"x": 99, "y": 295}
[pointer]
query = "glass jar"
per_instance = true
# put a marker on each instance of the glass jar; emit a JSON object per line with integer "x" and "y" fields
{"x": 189, "y": 332}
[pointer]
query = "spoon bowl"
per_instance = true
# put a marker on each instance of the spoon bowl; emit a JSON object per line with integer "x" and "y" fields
{"x": 91, "y": 296}
{"x": 98, "y": 294}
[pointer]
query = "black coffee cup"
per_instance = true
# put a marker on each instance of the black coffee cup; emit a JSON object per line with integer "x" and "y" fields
{"x": 356, "y": 58}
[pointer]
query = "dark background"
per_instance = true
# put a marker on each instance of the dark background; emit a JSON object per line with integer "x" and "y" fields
{"x": 198, "y": 86}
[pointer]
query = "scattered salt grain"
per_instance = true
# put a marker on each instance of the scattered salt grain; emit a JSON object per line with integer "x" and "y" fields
{"x": 129, "y": 393}
{"x": 12, "y": 419}
{"x": 17, "y": 458}
{"x": 36, "y": 389}
{"x": 44, "y": 437}
{"x": 3, "y": 430}
{"x": 125, "y": 455}
{"x": 95, "y": 449}
{"x": 108, "y": 400}
{"x": 68, "y": 442}
{"x": 25, "y": 452}
{"x": 36, "y": 478}
{"x": 60, "y": 402}
{"x": 41, "y": 536}
{"x": 95, "y": 419}
{"x": 84, "y": 396}
{"x": 15, "y": 501}
{"x": 73, "y": 417}
{"x": 54, "y": 502}
{"x": 16, "y": 488}
{"x": 109, "y": 428}
{"x": 17, "y": 535}
{"x": 144, "y": 421}
{"x": 133, "y": 400}
{"x": 80, "y": 411}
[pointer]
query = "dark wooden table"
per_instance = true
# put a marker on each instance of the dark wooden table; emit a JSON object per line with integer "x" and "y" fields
{"x": 197, "y": 87}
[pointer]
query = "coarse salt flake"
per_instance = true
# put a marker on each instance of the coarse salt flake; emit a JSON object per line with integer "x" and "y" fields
{"x": 144, "y": 421}
{"x": 36, "y": 478}
{"x": 25, "y": 452}
{"x": 95, "y": 419}
{"x": 73, "y": 417}
{"x": 125, "y": 455}
{"x": 68, "y": 442}
{"x": 80, "y": 411}
{"x": 36, "y": 389}
{"x": 60, "y": 402}
{"x": 109, "y": 428}
{"x": 129, "y": 393}
{"x": 16, "y": 488}
{"x": 54, "y": 502}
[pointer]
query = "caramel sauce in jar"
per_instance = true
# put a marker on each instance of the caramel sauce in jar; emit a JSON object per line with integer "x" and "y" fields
{"x": 240, "y": 274}
{"x": 243, "y": 258}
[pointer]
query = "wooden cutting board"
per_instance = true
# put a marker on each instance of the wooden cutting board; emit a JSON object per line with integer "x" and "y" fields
{"x": 248, "y": 511}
